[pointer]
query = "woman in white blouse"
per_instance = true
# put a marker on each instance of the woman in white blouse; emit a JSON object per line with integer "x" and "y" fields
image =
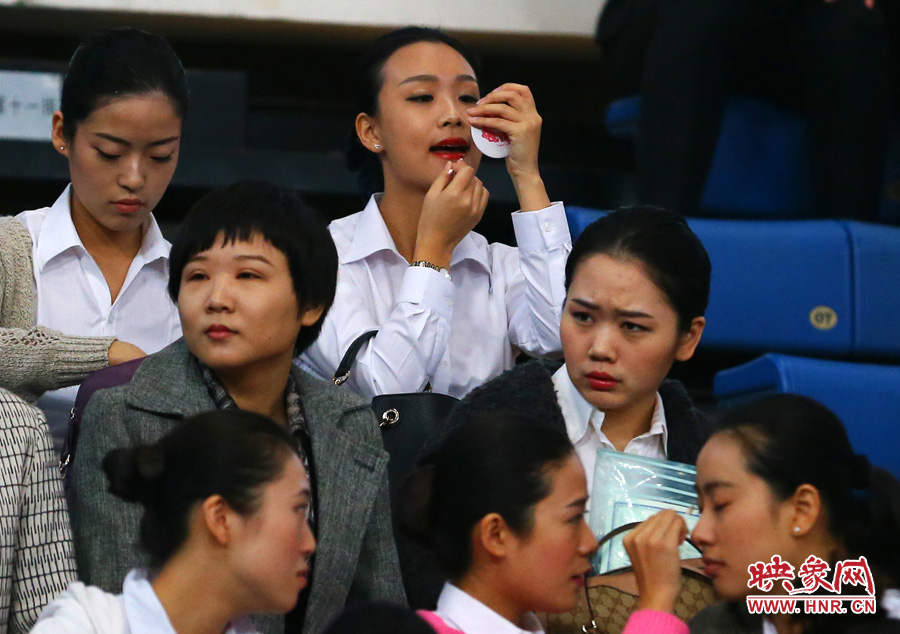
{"x": 502, "y": 503}
{"x": 89, "y": 289}
{"x": 226, "y": 500}
{"x": 451, "y": 310}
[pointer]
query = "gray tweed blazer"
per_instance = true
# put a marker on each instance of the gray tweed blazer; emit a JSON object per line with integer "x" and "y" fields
{"x": 355, "y": 559}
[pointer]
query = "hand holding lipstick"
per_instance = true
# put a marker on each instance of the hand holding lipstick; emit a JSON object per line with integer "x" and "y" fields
{"x": 453, "y": 206}
{"x": 511, "y": 110}
{"x": 653, "y": 549}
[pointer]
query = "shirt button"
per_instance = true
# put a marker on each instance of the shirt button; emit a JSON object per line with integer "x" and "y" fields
{"x": 443, "y": 364}
{"x": 549, "y": 226}
{"x": 449, "y": 301}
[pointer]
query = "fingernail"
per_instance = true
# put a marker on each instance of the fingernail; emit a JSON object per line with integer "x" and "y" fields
{"x": 470, "y": 110}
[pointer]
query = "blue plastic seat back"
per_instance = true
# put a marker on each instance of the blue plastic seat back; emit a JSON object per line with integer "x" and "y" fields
{"x": 865, "y": 397}
{"x": 876, "y": 288}
{"x": 580, "y": 217}
{"x": 760, "y": 167}
{"x": 778, "y": 285}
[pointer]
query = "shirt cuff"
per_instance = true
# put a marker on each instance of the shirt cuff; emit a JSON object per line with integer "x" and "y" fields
{"x": 428, "y": 288}
{"x": 543, "y": 229}
{"x": 646, "y": 621}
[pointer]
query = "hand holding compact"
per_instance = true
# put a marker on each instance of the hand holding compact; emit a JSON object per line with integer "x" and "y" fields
{"x": 510, "y": 109}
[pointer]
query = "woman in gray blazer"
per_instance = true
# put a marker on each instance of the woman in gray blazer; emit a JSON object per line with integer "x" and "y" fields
{"x": 253, "y": 274}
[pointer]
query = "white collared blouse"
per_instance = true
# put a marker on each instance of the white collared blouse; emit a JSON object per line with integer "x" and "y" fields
{"x": 452, "y": 334}
{"x": 85, "y": 609}
{"x": 73, "y": 296}
{"x": 465, "y": 613}
{"x": 584, "y": 425}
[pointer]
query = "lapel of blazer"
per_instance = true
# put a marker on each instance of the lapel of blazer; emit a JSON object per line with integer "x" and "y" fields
{"x": 348, "y": 476}
{"x": 169, "y": 384}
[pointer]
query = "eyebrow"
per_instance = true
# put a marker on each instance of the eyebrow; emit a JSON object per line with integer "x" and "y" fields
{"x": 633, "y": 314}
{"x": 580, "y": 502}
{"x": 256, "y": 258}
{"x": 433, "y": 78}
{"x": 115, "y": 139}
{"x": 711, "y": 486}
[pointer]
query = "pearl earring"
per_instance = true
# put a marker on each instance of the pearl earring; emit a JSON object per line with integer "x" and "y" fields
{"x": 796, "y": 529}
{"x": 62, "y": 148}
{"x": 377, "y": 147}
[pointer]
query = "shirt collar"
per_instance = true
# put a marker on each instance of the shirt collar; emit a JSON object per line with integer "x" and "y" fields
{"x": 145, "y": 613}
{"x": 143, "y": 610}
{"x": 371, "y": 235}
{"x": 580, "y": 415}
{"x": 576, "y": 410}
{"x": 58, "y": 235}
{"x": 467, "y": 614}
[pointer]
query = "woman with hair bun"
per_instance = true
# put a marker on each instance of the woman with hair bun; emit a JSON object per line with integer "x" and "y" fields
{"x": 83, "y": 282}
{"x": 637, "y": 287}
{"x": 451, "y": 310}
{"x": 502, "y": 504}
{"x": 225, "y": 502}
{"x": 779, "y": 477}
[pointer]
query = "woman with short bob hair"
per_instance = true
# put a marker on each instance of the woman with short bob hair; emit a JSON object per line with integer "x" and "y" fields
{"x": 225, "y": 501}
{"x": 253, "y": 274}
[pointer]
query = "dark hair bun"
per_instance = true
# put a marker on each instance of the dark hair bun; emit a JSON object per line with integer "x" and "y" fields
{"x": 133, "y": 473}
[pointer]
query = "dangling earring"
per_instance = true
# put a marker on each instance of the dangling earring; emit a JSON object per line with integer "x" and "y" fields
{"x": 377, "y": 147}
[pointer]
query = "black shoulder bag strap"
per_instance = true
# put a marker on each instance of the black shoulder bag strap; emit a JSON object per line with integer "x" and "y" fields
{"x": 343, "y": 370}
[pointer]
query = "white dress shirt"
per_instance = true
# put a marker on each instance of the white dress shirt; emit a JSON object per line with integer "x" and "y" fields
{"x": 463, "y": 612}
{"x": 454, "y": 335}
{"x": 88, "y": 610}
{"x": 584, "y": 424}
{"x": 73, "y": 296}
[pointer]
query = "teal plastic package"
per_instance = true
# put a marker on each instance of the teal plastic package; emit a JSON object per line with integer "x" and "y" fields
{"x": 631, "y": 488}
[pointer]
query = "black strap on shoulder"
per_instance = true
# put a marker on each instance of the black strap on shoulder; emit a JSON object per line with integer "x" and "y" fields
{"x": 343, "y": 370}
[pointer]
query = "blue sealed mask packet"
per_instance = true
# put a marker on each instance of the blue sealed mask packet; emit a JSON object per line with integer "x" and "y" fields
{"x": 631, "y": 488}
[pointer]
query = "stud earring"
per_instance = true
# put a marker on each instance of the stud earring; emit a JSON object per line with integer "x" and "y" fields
{"x": 796, "y": 529}
{"x": 62, "y": 148}
{"x": 377, "y": 147}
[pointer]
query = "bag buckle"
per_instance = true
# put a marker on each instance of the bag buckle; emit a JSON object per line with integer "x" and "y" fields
{"x": 389, "y": 418}
{"x": 340, "y": 380}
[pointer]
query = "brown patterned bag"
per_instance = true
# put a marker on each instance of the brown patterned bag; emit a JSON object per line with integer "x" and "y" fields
{"x": 609, "y": 599}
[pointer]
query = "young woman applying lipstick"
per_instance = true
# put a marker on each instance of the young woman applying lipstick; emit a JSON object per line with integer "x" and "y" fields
{"x": 637, "y": 286}
{"x": 83, "y": 282}
{"x": 451, "y": 310}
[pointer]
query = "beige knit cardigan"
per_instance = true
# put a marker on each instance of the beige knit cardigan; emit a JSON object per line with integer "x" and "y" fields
{"x": 34, "y": 359}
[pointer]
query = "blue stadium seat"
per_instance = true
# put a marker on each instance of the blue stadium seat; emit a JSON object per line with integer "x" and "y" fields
{"x": 778, "y": 285}
{"x": 819, "y": 287}
{"x": 866, "y": 397}
{"x": 876, "y": 288}
{"x": 580, "y": 217}
{"x": 761, "y": 165}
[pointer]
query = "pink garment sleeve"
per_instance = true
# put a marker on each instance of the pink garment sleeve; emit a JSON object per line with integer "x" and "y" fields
{"x": 654, "y": 622}
{"x": 438, "y": 624}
